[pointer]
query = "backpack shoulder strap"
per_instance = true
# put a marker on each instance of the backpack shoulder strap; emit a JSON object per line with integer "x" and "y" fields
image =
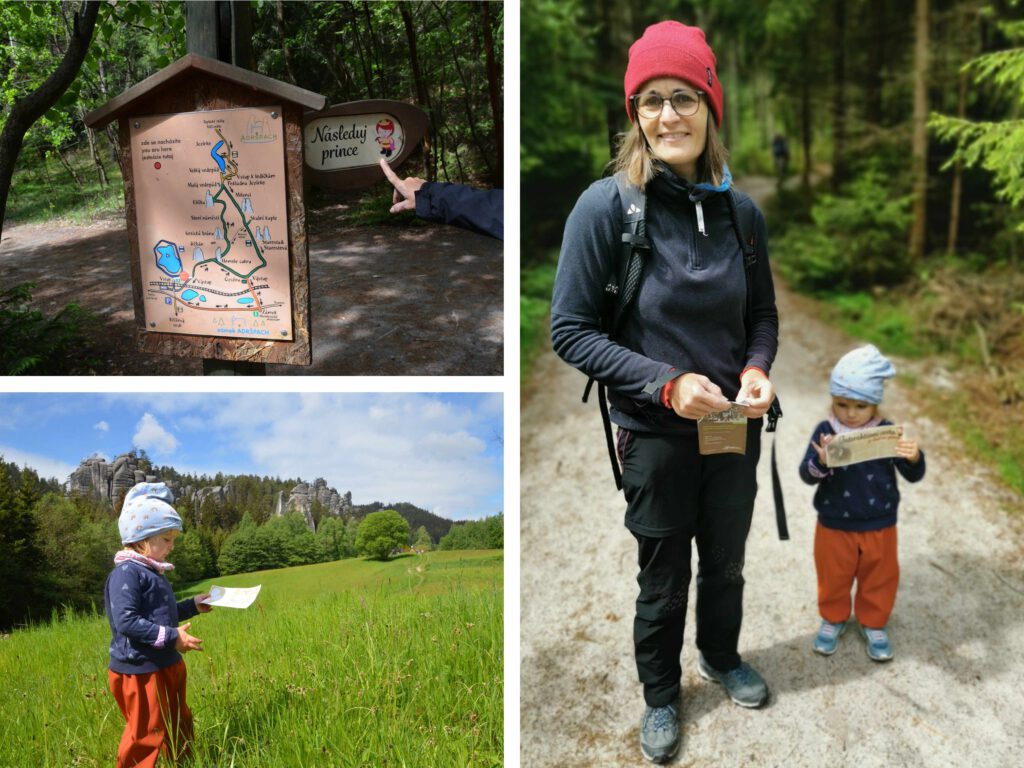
{"x": 624, "y": 277}
{"x": 620, "y": 290}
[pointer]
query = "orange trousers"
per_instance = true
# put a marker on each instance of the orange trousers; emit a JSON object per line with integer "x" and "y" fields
{"x": 870, "y": 558}
{"x": 157, "y": 717}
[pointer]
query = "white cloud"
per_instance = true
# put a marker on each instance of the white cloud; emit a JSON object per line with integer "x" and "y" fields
{"x": 101, "y": 426}
{"x": 153, "y": 438}
{"x": 43, "y": 465}
{"x": 435, "y": 451}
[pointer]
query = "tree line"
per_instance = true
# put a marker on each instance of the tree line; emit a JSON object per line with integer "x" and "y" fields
{"x": 56, "y": 551}
{"x": 62, "y": 59}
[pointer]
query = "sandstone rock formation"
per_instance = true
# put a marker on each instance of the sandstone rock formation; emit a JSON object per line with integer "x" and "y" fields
{"x": 104, "y": 481}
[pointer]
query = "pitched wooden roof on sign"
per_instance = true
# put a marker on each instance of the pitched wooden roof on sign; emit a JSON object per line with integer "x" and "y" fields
{"x": 121, "y": 106}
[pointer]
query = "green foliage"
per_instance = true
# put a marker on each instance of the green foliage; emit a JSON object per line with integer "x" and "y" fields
{"x": 77, "y": 540}
{"x": 32, "y": 343}
{"x": 536, "y": 284}
{"x": 423, "y": 542}
{"x": 280, "y": 543}
{"x": 24, "y": 581}
{"x": 339, "y": 664}
{"x": 193, "y": 558}
{"x": 995, "y": 145}
{"x": 858, "y": 240}
{"x": 488, "y": 533}
{"x": 380, "y": 533}
{"x": 883, "y": 321}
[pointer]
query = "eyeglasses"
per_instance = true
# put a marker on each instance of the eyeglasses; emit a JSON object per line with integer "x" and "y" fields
{"x": 684, "y": 103}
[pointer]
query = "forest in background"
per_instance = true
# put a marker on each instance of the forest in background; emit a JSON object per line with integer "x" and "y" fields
{"x": 902, "y": 207}
{"x": 56, "y": 550}
{"x": 444, "y": 57}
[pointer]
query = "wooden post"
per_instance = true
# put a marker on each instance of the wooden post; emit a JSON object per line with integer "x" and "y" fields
{"x": 223, "y": 31}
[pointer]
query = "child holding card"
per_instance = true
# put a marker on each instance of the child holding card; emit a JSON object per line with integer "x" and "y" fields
{"x": 855, "y": 539}
{"x": 146, "y": 672}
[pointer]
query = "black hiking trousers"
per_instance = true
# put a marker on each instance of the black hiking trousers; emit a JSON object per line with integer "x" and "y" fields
{"x": 675, "y": 496}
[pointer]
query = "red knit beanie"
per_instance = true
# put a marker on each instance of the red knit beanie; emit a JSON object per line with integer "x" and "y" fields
{"x": 671, "y": 49}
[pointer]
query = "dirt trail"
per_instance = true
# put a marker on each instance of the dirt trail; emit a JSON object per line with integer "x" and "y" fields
{"x": 953, "y": 695}
{"x": 386, "y": 301}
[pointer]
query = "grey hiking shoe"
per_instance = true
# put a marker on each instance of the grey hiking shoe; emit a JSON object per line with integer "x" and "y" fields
{"x": 744, "y": 686}
{"x": 659, "y": 733}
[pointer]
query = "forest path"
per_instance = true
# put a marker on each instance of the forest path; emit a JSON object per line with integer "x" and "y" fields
{"x": 386, "y": 300}
{"x": 951, "y": 697}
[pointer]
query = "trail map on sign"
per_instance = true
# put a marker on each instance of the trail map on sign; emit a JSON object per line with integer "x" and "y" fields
{"x": 212, "y": 223}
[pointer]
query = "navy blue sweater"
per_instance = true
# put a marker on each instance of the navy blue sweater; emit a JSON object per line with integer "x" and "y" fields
{"x": 688, "y": 313}
{"x": 857, "y": 497}
{"x": 479, "y": 210}
{"x": 143, "y": 617}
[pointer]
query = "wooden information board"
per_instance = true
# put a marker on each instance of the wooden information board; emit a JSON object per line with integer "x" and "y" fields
{"x": 214, "y": 207}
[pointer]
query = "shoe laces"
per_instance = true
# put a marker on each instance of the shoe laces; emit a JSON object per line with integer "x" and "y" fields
{"x": 662, "y": 718}
{"x": 742, "y": 674}
{"x": 828, "y": 629}
{"x": 876, "y": 635}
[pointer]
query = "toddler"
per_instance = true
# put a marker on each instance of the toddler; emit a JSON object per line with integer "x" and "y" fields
{"x": 147, "y": 674}
{"x": 855, "y": 539}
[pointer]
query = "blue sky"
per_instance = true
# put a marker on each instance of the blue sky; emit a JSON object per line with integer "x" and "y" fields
{"x": 442, "y": 452}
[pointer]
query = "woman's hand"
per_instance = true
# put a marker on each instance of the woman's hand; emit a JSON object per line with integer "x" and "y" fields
{"x": 695, "y": 396}
{"x": 757, "y": 391}
{"x": 200, "y": 605}
{"x": 187, "y": 642}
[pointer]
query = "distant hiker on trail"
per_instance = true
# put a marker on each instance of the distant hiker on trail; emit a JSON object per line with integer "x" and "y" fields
{"x": 855, "y": 539}
{"x": 780, "y": 154}
{"x": 147, "y": 674}
{"x": 700, "y": 332}
{"x": 479, "y": 210}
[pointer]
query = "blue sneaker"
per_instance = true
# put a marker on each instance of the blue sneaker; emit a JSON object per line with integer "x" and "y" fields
{"x": 744, "y": 686}
{"x": 828, "y": 636}
{"x": 879, "y": 648}
{"x": 659, "y": 733}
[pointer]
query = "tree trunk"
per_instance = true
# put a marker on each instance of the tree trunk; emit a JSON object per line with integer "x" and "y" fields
{"x": 282, "y": 36}
{"x": 94, "y": 152}
{"x": 422, "y": 92}
{"x": 67, "y": 166}
{"x": 466, "y": 90}
{"x": 494, "y": 90}
{"x": 376, "y": 62}
{"x": 806, "y": 129}
{"x": 919, "y": 147}
{"x": 839, "y": 169}
{"x": 606, "y": 54}
{"x": 27, "y": 110}
{"x": 876, "y": 55}
{"x": 968, "y": 43}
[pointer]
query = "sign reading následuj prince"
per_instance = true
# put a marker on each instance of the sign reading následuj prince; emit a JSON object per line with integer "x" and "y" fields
{"x": 345, "y": 143}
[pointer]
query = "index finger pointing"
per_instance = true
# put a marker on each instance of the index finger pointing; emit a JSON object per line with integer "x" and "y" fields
{"x": 391, "y": 175}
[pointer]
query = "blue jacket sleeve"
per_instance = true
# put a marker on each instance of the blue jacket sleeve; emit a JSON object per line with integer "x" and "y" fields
{"x": 592, "y": 237}
{"x": 125, "y": 592}
{"x": 911, "y": 472}
{"x": 479, "y": 210}
{"x": 187, "y": 609}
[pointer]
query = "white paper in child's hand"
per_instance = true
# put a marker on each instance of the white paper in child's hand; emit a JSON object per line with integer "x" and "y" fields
{"x": 232, "y": 597}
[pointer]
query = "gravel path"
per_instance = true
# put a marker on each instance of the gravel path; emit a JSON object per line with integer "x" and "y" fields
{"x": 386, "y": 301}
{"x": 951, "y": 697}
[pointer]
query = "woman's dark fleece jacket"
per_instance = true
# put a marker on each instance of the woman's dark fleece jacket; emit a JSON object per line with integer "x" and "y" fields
{"x": 688, "y": 313}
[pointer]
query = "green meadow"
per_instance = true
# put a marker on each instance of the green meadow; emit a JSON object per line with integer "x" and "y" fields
{"x": 350, "y": 663}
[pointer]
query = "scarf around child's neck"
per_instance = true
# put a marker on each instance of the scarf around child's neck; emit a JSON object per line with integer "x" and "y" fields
{"x": 130, "y": 554}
